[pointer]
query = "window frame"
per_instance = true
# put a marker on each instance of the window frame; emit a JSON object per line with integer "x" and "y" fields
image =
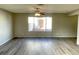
{"x": 45, "y": 26}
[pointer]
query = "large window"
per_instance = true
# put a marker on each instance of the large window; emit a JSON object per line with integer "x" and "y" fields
{"x": 40, "y": 24}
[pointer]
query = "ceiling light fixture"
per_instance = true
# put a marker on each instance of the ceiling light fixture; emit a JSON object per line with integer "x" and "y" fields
{"x": 38, "y": 12}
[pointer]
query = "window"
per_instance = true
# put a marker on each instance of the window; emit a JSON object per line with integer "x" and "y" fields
{"x": 40, "y": 24}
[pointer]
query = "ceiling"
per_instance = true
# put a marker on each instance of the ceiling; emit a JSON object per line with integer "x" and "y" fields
{"x": 47, "y": 8}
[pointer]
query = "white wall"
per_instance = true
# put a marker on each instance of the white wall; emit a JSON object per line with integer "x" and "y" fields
{"x": 78, "y": 31}
{"x": 63, "y": 26}
{"x": 5, "y": 27}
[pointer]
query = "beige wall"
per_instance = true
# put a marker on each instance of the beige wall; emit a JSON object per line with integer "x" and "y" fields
{"x": 5, "y": 27}
{"x": 63, "y": 26}
{"x": 74, "y": 22}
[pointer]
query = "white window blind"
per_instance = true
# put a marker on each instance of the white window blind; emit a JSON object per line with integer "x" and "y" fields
{"x": 40, "y": 24}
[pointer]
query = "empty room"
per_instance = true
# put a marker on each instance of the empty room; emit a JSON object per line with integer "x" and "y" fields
{"x": 39, "y": 29}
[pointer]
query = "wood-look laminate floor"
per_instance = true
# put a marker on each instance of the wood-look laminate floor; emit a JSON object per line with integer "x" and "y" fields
{"x": 40, "y": 46}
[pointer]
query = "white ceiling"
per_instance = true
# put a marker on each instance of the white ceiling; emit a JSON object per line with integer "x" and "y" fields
{"x": 47, "y": 8}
